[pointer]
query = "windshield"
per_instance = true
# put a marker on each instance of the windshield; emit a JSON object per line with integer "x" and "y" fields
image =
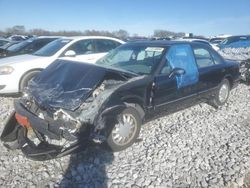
{"x": 53, "y": 47}
{"x": 137, "y": 59}
{"x": 18, "y": 46}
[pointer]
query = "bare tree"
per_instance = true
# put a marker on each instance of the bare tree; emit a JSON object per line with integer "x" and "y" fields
{"x": 166, "y": 33}
{"x": 17, "y": 29}
{"x": 122, "y": 34}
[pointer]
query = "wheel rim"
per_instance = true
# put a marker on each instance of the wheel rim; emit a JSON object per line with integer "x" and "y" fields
{"x": 124, "y": 131}
{"x": 223, "y": 94}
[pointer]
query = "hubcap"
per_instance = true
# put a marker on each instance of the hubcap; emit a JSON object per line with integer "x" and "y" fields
{"x": 124, "y": 131}
{"x": 223, "y": 94}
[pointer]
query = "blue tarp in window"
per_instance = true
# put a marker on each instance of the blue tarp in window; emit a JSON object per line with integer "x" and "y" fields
{"x": 181, "y": 56}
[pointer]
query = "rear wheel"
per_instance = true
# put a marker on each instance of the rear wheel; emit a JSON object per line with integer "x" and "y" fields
{"x": 222, "y": 94}
{"x": 125, "y": 130}
{"x": 25, "y": 80}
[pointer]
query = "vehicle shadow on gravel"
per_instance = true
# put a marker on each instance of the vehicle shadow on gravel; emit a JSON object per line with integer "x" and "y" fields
{"x": 87, "y": 168}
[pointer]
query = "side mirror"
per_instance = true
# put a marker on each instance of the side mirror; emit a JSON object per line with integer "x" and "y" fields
{"x": 70, "y": 53}
{"x": 177, "y": 72}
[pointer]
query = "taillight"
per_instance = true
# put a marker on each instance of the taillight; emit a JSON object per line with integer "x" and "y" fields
{"x": 22, "y": 120}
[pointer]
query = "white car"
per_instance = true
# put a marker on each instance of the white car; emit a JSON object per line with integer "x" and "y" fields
{"x": 16, "y": 71}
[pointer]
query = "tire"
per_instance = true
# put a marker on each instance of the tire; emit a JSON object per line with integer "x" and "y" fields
{"x": 132, "y": 120}
{"x": 222, "y": 94}
{"x": 25, "y": 80}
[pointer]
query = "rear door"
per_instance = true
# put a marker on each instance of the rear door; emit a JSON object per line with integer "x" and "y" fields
{"x": 211, "y": 69}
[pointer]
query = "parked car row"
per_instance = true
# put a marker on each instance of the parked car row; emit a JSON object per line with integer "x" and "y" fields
{"x": 71, "y": 103}
{"x": 25, "y": 47}
{"x": 224, "y": 41}
{"x": 14, "y": 39}
{"x": 240, "y": 41}
{"x": 229, "y": 41}
{"x": 3, "y": 41}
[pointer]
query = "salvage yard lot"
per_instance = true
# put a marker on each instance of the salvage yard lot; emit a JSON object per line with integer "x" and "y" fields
{"x": 196, "y": 147}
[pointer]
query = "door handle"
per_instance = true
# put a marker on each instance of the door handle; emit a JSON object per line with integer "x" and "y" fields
{"x": 223, "y": 70}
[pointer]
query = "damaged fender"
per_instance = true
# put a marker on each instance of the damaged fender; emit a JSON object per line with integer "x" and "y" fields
{"x": 102, "y": 125}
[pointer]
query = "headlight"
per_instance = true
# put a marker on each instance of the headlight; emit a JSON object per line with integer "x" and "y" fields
{"x": 6, "y": 70}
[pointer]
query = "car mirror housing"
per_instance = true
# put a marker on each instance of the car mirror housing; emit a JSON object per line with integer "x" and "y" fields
{"x": 177, "y": 72}
{"x": 70, "y": 53}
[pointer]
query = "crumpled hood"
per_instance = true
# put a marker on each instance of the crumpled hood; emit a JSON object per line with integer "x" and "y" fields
{"x": 66, "y": 84}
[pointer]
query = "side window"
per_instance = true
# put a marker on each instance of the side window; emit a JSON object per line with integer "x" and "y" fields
{"x": 105, "y": 45}
{"x": 203, "y": 57}
{"x": 216, "y": 58}
{"x": 82, "y": 47}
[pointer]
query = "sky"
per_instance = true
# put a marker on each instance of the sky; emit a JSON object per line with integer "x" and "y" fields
{"x": 142, "y": 17}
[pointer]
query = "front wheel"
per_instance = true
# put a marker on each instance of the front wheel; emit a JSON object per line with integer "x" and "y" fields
{"x": 125, "y": 130}
{"x": 25, "y": 80}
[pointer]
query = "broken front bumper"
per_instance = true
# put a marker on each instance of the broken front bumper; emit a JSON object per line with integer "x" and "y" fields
{"x": 21, "y": 122}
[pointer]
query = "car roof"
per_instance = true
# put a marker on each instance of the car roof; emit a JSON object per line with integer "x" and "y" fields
{"x": 163, "y": 43}
{"x": 41, "y": 37}
{"x": 89, "y": 37}
{"x": 34, "y": 39}
{"x": 238, "y": 36}
{"x": 192, "y": 40}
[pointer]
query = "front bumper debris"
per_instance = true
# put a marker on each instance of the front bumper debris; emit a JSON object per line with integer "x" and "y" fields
{"x": 17, "y": 129}
{"x": 245, "y": 71}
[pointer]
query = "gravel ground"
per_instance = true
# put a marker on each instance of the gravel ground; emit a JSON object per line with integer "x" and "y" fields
{"x": 196, "y": 147}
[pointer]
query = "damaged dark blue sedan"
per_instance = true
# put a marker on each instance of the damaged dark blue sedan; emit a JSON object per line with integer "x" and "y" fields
{"x": 71, "y": 104}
